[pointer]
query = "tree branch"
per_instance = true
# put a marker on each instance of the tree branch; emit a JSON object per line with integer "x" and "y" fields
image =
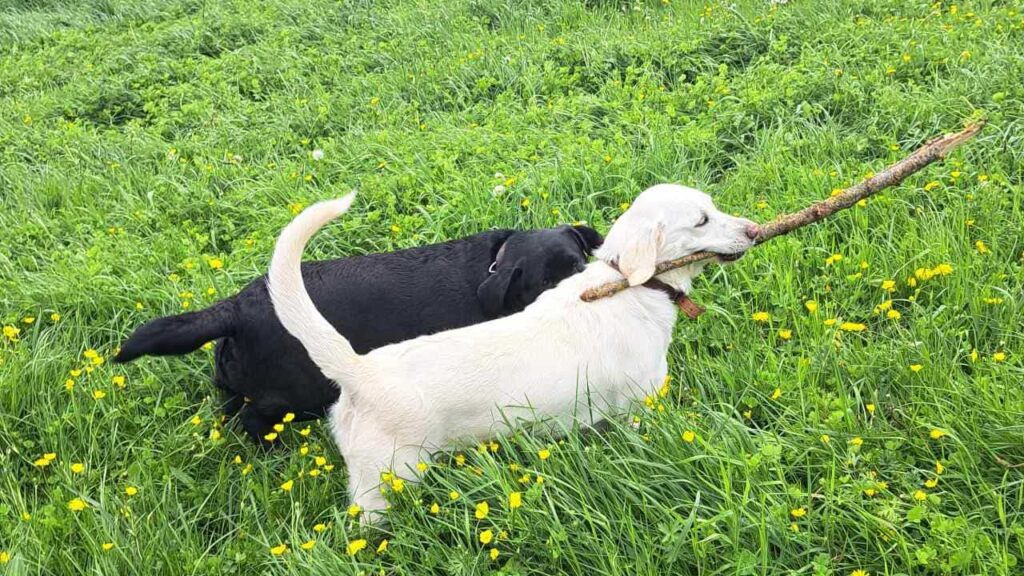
{"x": 934, "y": 150}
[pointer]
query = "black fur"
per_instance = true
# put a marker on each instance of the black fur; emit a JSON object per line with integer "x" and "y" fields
{"x": 373, "y": 300}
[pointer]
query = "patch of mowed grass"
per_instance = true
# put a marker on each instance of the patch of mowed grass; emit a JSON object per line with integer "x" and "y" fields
{"x": 151, "y": 151}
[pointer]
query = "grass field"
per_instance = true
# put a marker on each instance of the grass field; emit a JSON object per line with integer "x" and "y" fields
{"x": 851, "y": 403}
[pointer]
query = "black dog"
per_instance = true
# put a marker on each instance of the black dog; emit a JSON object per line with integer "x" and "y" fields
{"x": 373, "y": 300}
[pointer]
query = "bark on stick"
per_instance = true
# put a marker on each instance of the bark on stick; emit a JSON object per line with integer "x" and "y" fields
{"x": 934, "y": 150}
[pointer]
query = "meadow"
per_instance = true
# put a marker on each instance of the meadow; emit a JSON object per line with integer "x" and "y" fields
{"x": 851, "y": 404}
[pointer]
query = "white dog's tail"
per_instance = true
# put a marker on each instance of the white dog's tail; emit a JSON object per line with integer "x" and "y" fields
{"x": 328, "y": 349}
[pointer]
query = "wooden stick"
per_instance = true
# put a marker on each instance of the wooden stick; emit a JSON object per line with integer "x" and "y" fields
{"x": 934, "y": 150}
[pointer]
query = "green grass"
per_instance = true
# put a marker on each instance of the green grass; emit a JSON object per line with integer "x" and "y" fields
{"x": 139, "y": 141}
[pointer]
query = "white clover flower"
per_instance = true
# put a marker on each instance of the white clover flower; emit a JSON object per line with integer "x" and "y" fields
{"x": 318, "y": 154}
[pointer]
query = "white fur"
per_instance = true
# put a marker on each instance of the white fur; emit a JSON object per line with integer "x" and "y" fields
{"x": 560, "y": 359}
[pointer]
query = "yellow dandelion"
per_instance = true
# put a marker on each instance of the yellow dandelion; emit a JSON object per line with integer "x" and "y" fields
{"x": 515, "y": 500}
{"x": 852, "y": 327}
{"x": 494, "y": 553}
{"x": 889, "y": 285}
{"x": 486, "y": 536}
{"x": 305, "y": 431}
{"x": 77, "y": 505}
{"x": 920, "y": 495}
{"x": 760, "y": 317}
{"x": 544, "y": 454}
{"x": 355, "y": 546}
{"x": 108, "y": 546}
{"x": 354, "y": 510}
{"x": 216, "y": 263}
{"x": 860, "y": 573}
{"x": 893, "y": 315}
{"x": 118, "y": 381}
{"x": 482, "y": 509}
{"x": 798, "y": 512}
{"x": 287, "y": 486}
{"x": 383, "y": 546}
{"x": 453, "y": 495}
{"x": 785, "y": 334}
{"x": 421, "y": 467}
{"x": 131, "y": 490}
{"x": 5, "y": 557}
{"x": 398, "y": 485}
{"x": 278, "y": 427}
{"x": 288, "y": 417}
{"x": 981, "y": 247}
{"x": 196, "y": 420}
{"x": 825, "y": 439}
{"x": 279, "y": 549}
{"x": 98, "y": 394}
{"x": 78, "y": 467}
{"x": 931, "y": 483}
{"x": 270, "y": 436}
{"x": 916, "y": 367}
{"x": 936, "y": 434}
{"x": 856, "y": 441}
{"x": 689, "y": 436}
{"x": 811, "y": 306}
{"x": 939, "y": 468}
{"x": 870, "y": 408}
{"x": 319, "y": 528}
{"x": 999, "y": 356}
{"x": 833, "y": 259}
{"x": 308, "y": 544}
{"x": 435, "y": 508}
{"x": 830, "y": 322}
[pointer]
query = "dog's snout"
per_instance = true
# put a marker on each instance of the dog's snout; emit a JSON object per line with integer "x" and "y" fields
{"x": 752, "y": 230}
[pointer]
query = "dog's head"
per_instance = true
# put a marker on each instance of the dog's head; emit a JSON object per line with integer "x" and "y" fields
{"x": 531, "y": 262}
{"x": 669, "y": 221}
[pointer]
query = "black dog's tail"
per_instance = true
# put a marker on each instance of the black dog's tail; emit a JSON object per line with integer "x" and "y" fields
{"x": 181, "y": 334}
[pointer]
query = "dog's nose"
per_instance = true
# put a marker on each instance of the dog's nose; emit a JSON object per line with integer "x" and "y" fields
{"x": 752, "y": 230}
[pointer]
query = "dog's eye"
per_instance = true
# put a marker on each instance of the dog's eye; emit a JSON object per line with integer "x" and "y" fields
{"x": 703, "y": 220}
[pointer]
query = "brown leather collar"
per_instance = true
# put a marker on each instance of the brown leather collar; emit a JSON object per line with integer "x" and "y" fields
{"x": 687, "y": 306}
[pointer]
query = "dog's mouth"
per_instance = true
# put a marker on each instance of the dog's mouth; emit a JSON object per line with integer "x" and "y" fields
{"x": 730, "y": 257}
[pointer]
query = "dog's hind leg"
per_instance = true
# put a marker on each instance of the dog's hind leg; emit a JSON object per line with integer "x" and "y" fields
{"x": 369, "y": 478}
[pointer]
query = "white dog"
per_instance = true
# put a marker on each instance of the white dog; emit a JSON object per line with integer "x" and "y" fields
{"x": 559, "y": 359}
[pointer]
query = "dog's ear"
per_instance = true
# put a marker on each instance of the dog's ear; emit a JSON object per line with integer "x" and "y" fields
{"x": 588, "y": 238}
{"x": 635, "y": 248}
{"x": 493, "y": 291}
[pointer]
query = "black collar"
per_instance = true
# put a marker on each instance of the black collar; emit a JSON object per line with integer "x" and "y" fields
{"x": 689, "y": 307}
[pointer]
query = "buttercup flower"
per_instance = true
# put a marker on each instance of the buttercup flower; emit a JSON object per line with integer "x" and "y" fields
{"x": 811, "y": 306}
{"x": 689, "y": 436}
{"x": 354, "y": 510}
{"x": 486, "y": 536}
{"x": 760, "y": 317}
{"x": 355, "y": 546}
{"x": 308, "y": 544}
{"x": 515, "y": 500}
{"x": 77, "y": 505}
{"x": 544, "y": 454}
{"x": 482, "y": 509}
{"x": 279, "y": 549}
